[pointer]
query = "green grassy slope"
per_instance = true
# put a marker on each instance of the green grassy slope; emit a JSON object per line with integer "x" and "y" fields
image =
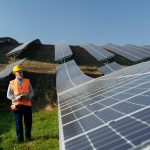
{"x": 44, "y": 132}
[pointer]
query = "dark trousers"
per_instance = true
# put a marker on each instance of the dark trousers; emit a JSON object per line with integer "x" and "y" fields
{"x": 26, "y": 112}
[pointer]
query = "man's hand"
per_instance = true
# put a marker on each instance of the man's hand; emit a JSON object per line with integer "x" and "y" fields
{"x": 13, "y": 107}
{"x": 17, "y": 98}
{"x": 25, "y": 96}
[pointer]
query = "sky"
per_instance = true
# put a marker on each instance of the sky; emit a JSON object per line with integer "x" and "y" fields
{"x": 76, "y": 21}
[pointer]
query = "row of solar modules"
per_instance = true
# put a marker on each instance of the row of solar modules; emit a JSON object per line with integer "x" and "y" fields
{"x": 62, "y": 50}
{"x": 110, "y": 112}
{"x": 69, "y": 75}
{"x": 111, "y": 67}
{"x": 22, "y": 47}
{"x": 98, "y": 52}
{"x": 131, "y": 52}
{"x": 8, "y": 69}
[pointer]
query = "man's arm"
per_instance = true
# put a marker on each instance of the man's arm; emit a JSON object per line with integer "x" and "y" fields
{"x": 10, "y": 94}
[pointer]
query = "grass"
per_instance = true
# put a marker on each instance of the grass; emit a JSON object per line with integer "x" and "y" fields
{"x": 44, "y": 132}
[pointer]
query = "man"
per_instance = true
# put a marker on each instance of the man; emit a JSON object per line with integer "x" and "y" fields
{"x": 20, "y": 92}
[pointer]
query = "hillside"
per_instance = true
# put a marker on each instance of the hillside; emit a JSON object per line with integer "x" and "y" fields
{"x": 40, "y": 67}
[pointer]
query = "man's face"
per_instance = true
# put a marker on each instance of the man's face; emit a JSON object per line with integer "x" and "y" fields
{"x": 19, "y": 74}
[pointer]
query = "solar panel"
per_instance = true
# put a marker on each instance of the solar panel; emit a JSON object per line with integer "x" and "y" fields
{"x": 8, "y": 70}
{"x": 69, "y": 75}
{"x": 20, "y": 48}
{"x": 148, "y": 46}
{"x": 111, "y": 67}
{"x": 62, "y": 50}
{"x": 124, "y": 52}
{"x": 141, "y": 49}
{"x": 98, "y": 52}
{"x": 110, "y": 112}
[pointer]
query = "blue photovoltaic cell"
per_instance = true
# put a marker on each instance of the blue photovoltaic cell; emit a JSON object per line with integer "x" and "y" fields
{"x": 76, "y": 107}
{"x": 126, "y": 107}
{"x": 90, "y": 122}
{"x": 71, "y": 130}
{"x": 109, "y": 102}
{"x": 95, "y": 107}
{"x": 143, "y": 115}
{"x": 78, "y": 143}
{"x": 108, "y": 114}
{"x": 137, "y": 132}
{"x": 82, "y": 112}
{"x": 143, "y": 100}
{"x": 105, "y": 138}
{"x": 68, "y": 118}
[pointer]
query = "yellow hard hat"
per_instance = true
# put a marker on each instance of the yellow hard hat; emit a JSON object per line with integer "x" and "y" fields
{"x": 17, "y": 68}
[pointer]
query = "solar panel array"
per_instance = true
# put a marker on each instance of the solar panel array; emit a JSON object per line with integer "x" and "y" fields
{"x": 69, "y": 75}
{"x": 131, "y": 53}
{"x": 147, "y": 46}
{"x": 141, "y": 49}
{"x": 110, "y": 112}
{"x": 111, "y": 67}
{"x": 17, "y": 49}
{"x": 8, "y": 70}
{"x": 20, "y": 48}
{"x": 98, "y": 52}
{"x": 62, "y": 50}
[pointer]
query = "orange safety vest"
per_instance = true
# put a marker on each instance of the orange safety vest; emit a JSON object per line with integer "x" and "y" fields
{"x": 17, "y": 89}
